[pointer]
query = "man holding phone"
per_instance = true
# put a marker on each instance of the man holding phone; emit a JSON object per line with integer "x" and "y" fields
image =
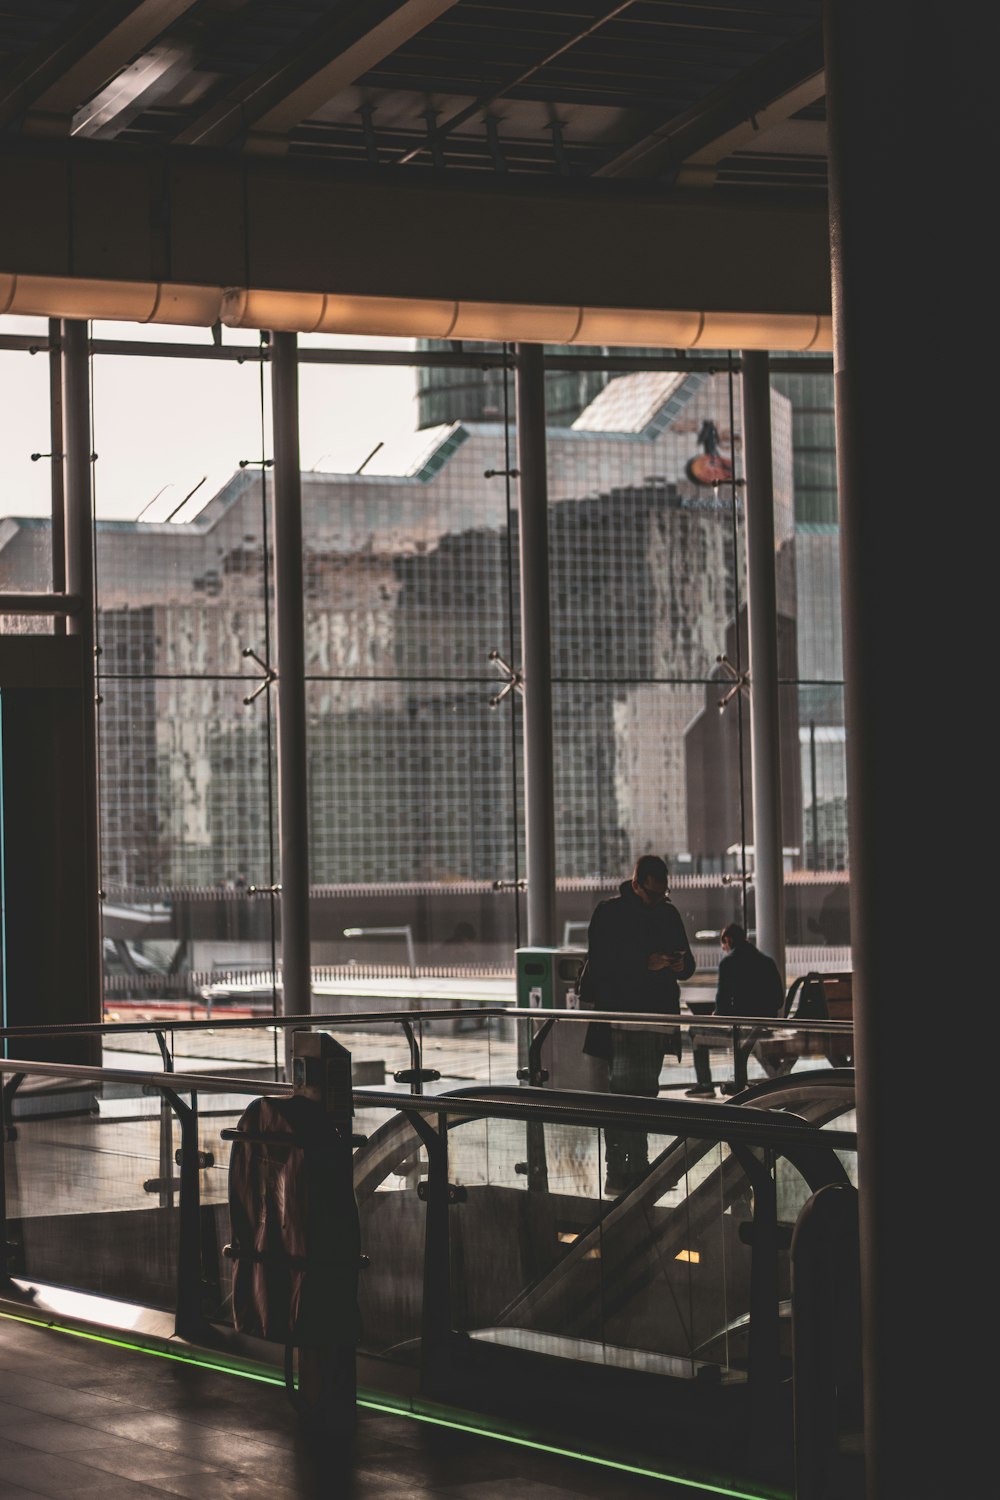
{"x": 637, "y": 953}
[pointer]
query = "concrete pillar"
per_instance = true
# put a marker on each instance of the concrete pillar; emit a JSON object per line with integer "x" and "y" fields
{"x": 912, "y": 148}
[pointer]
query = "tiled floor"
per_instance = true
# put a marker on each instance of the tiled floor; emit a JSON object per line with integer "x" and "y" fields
{"x": 89, "y": 1420}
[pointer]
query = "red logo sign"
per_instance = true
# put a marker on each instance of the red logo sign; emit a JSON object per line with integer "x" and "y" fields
{"x": 709, "y": 467}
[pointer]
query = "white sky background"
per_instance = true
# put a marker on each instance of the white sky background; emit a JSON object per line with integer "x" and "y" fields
{"x": 168, "y": 425}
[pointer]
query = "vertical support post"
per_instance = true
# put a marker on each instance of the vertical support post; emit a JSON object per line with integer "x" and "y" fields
{"x": 189, "y": 1318}
{"x": 539, "y": 815}
{"x": 8, "y": 1133}
{"x": 436, "y": 1316}
{"x": 765, "y": 740}
{"x": 763, "y": 1364}
{"x": 79, "y": 543}
{"x": 826, "y": 1328}
{"x": 293, "y": 805}
{"x": 56, "y": 469}
{"x": 814, "y": 793}
{"x": 895, "y": 254}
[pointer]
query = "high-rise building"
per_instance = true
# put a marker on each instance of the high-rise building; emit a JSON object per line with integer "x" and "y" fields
{"x": 410, "y": 586}
{"x": 473, "y": 394}
{"x": 455, "y": 394}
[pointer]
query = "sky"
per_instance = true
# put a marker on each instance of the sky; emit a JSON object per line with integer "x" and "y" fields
{"x": 166, "y": 427}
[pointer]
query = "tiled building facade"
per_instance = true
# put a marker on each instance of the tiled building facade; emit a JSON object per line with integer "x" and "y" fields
{"x": 411, "y": 583}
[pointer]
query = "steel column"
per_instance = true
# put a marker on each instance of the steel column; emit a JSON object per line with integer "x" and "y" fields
{"x": 293, "y": 805}
{"x": 79, "y": 546}
{"x": 533, "y": 531}
{"x": 765, "y": 739}
{"x": 56, "y": 467}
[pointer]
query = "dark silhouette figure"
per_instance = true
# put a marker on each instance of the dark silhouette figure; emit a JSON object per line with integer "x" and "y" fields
{"x": 749, "y": 985}
{"x": 637, "y": 952}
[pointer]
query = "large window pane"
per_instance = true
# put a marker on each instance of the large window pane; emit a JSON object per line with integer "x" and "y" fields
{"x": 185, "y": 630}
{"x": 410, "y": 588}
{"x": 26, "y": 494}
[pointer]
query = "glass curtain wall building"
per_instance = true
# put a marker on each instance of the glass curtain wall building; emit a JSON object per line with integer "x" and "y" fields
{"x": 412, "y": 620}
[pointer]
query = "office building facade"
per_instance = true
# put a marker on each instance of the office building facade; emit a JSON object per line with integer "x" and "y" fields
{"x": 410, "y": 587}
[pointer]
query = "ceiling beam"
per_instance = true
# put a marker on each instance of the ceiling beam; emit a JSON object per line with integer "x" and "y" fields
{"x": 516, "y": 80}
{"x": 701, "y": 167}
{"x": 50, "y": 84}
{"x": 329, "y": 59}
{"x": 721, "y": 116}
{"x": 132, "y": 91}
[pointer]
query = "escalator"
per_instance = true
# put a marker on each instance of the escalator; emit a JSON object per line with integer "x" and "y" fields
{"x": 668, "y": 1305}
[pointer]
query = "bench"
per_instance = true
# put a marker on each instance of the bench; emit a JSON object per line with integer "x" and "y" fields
{"x": 813, "y": 997}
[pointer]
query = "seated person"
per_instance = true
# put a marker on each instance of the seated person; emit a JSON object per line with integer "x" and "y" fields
{"x": 749, "y": 985}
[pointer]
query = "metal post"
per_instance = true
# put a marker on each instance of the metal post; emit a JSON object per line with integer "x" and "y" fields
{"x": 765, "y": 740}
{"x": 190, "y": 1321}
{"x": 812, "y": 779}
{"x": 539, "y": 816}
{"x": 293, "y": 806}
{"x": 436, "y": 1311}
{"x": 56, "y": 468}
{"x": 763, "y": 1361}
{"x": 9, "y": 1259}
{"x": 826, "y": 1332}
{"x": 79, "y": 540}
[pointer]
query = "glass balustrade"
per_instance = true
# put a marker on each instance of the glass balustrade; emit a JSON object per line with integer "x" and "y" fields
{"x": 502, "y": 1273}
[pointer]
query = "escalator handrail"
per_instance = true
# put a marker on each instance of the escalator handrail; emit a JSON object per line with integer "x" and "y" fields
{"x": 580, "y": 1107}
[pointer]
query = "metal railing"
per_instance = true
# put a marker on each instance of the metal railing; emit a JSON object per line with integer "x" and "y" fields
{"x": 754, "y": 1137}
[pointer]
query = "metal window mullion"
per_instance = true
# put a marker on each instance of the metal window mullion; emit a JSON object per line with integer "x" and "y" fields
{"x": 539, "y": 815}
{"x": 293, "y": 806}
{"x": 765, "y": 737}
{"x": 79, "y": 559}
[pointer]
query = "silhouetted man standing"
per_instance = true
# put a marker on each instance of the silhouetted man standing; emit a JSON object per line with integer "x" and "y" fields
{"x": 637, "y": 951}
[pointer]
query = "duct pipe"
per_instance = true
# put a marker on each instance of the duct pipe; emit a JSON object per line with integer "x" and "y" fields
{"x": 293, "y": 805}
{"x": 762, "y": 616}
{"x": 414, "y": 317}
{"x": 533, "y": 531}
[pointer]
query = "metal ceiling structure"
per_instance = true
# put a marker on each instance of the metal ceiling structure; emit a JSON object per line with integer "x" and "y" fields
{"x": 702, "y": 122}
{"x": 728, "y": 94}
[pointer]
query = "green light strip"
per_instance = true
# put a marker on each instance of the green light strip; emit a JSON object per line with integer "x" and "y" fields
{"x": 183, "y": 1359}
{"x": 397, "y": 1411}
{"x": 584, "y": 1458}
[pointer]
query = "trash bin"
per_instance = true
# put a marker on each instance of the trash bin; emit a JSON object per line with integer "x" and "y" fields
{"x": 546, "y": 980}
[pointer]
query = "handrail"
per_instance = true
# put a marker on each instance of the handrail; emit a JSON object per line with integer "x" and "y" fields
{"x": 416, "y": 1075}
{"x": 491, "y": 1012}
{"x": 579, "y": 1107}
{"x": 238, "y": 1023}
{"x": 561, "y": 1106}
{"x": 431, "y": 1117}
